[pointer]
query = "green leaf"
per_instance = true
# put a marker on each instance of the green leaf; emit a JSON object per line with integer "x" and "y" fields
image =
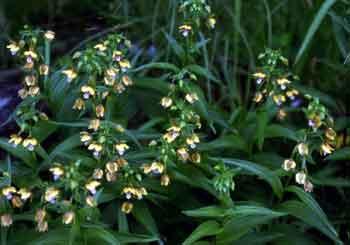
{"x": 18, "y": 151}
{"x": 126, "y": 238}
{"x": 243, "y": 219}
{"x": 143, "y": 215}
{"x": 341, "y": 154}
{"x": 262, "y": 121}
{"x": 258, "y": 170}
{"x": 310, "y": 202}
{"x": 327, "y": 4}
{"x": 309, "y": 215}
{"x": 99, "y": 234}
{"x": 201, "y": 71}
{"x": 278, "y": 131}
{"x": 53, "y": 237}
{"x": 208, "y": 228}
{"x": 68, "y": 144}
{"x": 255, "y": 238}
{"x": 207, "y": 212}
{"x": 158, "y": 85}
{"x": 158, "y": 65}
{"x": 232, "y": 142}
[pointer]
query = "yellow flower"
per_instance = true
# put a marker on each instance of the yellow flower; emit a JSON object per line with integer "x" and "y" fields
{"x": 8, "y": 192}
{"x": 30, "y": 80}
{"x": 112, "y": 167}
{"x": 195, "y": 157}
{"x": 140, "y": 192}
{"x": 119, "y": 88}
{"x": 173, "y": 133}
{"x": 14, "y": 48}
{"x": 166, "y": 102}
{"x": 30, "y": 143}
{"x": 33, "y": 91}
{"x": 292, "y": 93}
{"x": 279, "y": 99}
{"x": 79, "y": 104}
{"x": 94, "y": 124}
{"x": 100, "y": 47}
{"x": 40, "y": 215}
{"x": 90, "y": 201}
{"x": 300, "y": 178}
{"x": 15, "y": 139}
{"x": 308, "y": 186}
{"x": 154, "y": 167}
{"x": 191, "y": 98}
{"x": 283, "y": 83}
{"x": 112, "y": 72}
{"x": 121, "y": 162}
{"x": 331, "y": 134}
{"x": 258, "y": 97}
{"x": 303, "y": 149}
{"x": 6, "y": 220}
{"x": 117, "y": 55}
{"x": 49, "y": 35}
{"x": 98, "y": 173}
{"x": 70, "y": 74}
{"x": 96, "y": 148}
{"x": 124, "y": 65}
{"x": 44, "y": 70}
{"x": 281, "y": 114}
{"x": 131, "y": 192}
{"x": 68, "y": 217}
{"x": 185, "y": 30}
{"x": 119, "y": 128}
{"x": 192, "y": 141}
{"x": 183, "y": 154}
{"x": 111, "y": 177}
{"x": 127, "y": 80}
{"x": 127, "y": 207}
{"x": 211, "y": 22}
{"x": 16, "y": 202}
{"x": 25, "y": 194}
{"x": 22, "y": 93}
{"x": 165, "y": 180}
{"x": 92, "y": 185}
{"x": 100, "y": 111}
{"x": 85, "y": 137}
{"x": 42, "y": 226}
{"x": 51, "y": 194}
{"x": 121, "y": 148}
{"x": 30, "y": 54}
{"x": 108, "y": 81}
{"x": 289, "y": 164}
{"x": 326, "y": 149}
{"x": 87, "y": 91}
{"x": 315, "y": 121}
{"x": 57, "y": 172}
{"x": 259, "y": 75}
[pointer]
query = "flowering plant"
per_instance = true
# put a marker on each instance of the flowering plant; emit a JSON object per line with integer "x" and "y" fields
{"x": 111, "y": 151}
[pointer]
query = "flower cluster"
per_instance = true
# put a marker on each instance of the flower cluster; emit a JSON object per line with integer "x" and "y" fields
{"x": 105, "y": 72}
{"x": 34, "y": 60}
{"x": 179, "y": 142}
{"x": 106, "y": 69}
{"x": 274, "y": 84}
{"x": 194, "y": 12}
{"x": 320, "y": 135}
{"x": 273, "y": 80}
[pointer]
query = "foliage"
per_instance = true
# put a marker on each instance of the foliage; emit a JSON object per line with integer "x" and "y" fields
{"x": 115, "y": 146}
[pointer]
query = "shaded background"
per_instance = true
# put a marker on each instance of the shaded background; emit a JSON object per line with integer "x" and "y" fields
{"x": 245, "y": 28}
